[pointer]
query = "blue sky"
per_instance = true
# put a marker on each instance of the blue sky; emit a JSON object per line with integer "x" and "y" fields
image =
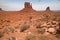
{"x": 15, "y": 5}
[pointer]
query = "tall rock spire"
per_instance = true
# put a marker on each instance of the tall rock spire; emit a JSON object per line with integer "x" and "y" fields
{"x": 27, "y": 5}
{"x": 0, "y": 9}
{"x": 48, "y": 9}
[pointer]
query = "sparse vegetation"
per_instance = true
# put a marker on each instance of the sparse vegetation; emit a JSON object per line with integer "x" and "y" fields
{"x": 39, "y": 29}
{"x": 12, "y": 30}
{"x": 24, "y": 27}
{"x": 58, "y": 32}
{"x": 35, "y": 37}
{"x": 12, "y": 38}
{"x": 30, "y": 37}
{"x": 5, "y": 30}
{"x": 1, "y": 34}
{"x": 46, "y": 18}
{"x": 8, "y": 39}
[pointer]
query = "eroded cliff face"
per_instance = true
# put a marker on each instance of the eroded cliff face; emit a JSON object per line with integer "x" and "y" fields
{"x": 19, "y": 24}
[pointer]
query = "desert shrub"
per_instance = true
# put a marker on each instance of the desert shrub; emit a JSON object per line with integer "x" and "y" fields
{"x": 11, "y": 30}
{"x": 24, "y": 27}
{"x": 8, "y": 39}
{"x": 30, "y": 37}
{"x": 39, "y": 37}
{"x": 40, "y": 31}
{"x": 59, "y": 25}
{"x": 58, "y": 32}
{"x": 5, "y": 30}
{"x": 35, "y": 37}
{"x": 13, "y": 38}
{"x": 1, "y": 34}
{"x": 47, "y": 18}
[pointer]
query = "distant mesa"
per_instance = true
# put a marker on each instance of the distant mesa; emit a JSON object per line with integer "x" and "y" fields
{"x": 28, "y": 5}
{"x": 0, "y": 9}
{"x": 48, "y": 9}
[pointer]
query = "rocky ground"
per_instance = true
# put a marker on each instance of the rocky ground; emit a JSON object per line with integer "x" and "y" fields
{"x": 29, "y": 25}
